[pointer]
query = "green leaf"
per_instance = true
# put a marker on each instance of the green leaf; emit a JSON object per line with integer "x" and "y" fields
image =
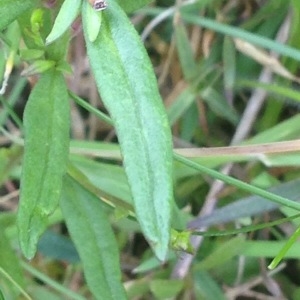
{"x": 218, "y": 104}
{"x": 9, "y": 158}
{"x": 244, "y": 229}
{"x": 9, "y": 261}
{"x": 166, "y": 289}
{"x": 132, "y": 5}
{"x": 238, "y": 183}
{"x": 93, "y": 237}
{"x": 11, "y": 9}
{"x": 31, "y": 54}
{"x": 105, "y": 177}
{"x": 242, "y": 34}
{"x": 46, "y": 123}
{"x": 51, "y": 284}
{"x": 110, "y": 200}
{"x": 229, "y": 62}
{"x": 181, "y": 104}
{"x": 128, "y": 88}
{"x": 221, "y": 254}
{"x": 93, "y": 21}
{"x": 38, "y": 67}
{"x": 284, "y": 91}
{"x": 206, "y": 287}
{"x": 58, "y": 247}
{"x": 248, "y": 207}
{"x": 283, "y": 251}
{"x": 66, "y": 16}
{"x": 42, "y": 292}
{"x": 185, "y": 51}
{"x": 152, "y": 263}
{"x": 269, "y": 249}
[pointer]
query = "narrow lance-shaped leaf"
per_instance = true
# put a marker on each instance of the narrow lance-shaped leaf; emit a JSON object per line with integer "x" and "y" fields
{"x": 46, "y": 124}
{"x": 67, "y": 14}
{"x": 229, "y": 69}
{"x": 128, "y": 88}
{"x": 184, "y": 49}
{"x": 94, "y": 22}
{"x": 88, "y": 224}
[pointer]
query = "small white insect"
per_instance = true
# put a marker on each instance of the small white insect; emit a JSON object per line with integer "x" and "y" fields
{"x": 100, "y": 5}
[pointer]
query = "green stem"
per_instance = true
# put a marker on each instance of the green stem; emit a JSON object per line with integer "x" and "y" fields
{"x": 245, "y": 229}
{"x": 102, "y": 116}
{"x": 204, "y": 170}
{"x": 238, "y": 183}
{"x": 8, "y": 277}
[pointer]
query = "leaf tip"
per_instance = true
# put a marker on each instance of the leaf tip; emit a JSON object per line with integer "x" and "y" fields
{"x": 160, "y": 250}
{"x": 28, "y": 246}
{"x": 49, "y": 40}
{"x": 30, "y": 228}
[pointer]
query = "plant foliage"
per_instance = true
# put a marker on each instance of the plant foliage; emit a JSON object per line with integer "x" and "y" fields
{"x": 106, "y": 186}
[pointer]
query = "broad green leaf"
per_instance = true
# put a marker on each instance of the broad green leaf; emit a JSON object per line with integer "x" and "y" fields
{"x": 11, "y": 9}
{"x": 66, "y": 16}
{"x": 128, "y": 88}
{"x": 46, "y": 123}
{"x": 132, "y": 5}
{"x": 89, "y": 227}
